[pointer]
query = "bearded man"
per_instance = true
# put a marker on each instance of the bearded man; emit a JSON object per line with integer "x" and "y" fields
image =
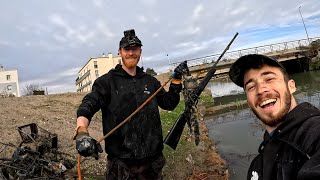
{"x": 135, "y": 149}
{"x": 291, "y": 146}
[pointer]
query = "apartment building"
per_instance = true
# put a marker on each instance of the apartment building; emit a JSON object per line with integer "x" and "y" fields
{"x": 9, "y": 82}
{"x": 94, "y": 68}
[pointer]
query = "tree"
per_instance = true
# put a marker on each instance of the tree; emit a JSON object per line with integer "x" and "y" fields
{"x": 30, "y": 88}
{"x": 151, "y": 72}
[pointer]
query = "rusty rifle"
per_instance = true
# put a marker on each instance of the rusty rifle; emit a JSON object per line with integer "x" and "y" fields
{"x": 174, "y": 135}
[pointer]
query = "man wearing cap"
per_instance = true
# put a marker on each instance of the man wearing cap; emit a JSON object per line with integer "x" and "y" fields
{"x": 135, "y": 149}
{"x": 291, "y": 146}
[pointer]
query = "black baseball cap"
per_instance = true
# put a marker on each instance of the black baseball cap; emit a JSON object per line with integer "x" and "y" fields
{"x": 129, "y": 39}
{"x": 250, "y": 61}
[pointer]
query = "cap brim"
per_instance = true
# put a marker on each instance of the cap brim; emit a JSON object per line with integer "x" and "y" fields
{"x": 130, "y": 45}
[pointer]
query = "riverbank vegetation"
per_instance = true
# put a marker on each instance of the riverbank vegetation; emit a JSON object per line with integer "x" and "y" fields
{"x": 189, "y": 161}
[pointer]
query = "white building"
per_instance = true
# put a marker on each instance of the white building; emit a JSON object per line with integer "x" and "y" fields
{"x": 94, "y": 68}
{"x": 9, "y": 82}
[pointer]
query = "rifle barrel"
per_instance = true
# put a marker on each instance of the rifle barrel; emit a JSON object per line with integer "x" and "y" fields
{"x": 173, "y": 137}
{"x": 212, "y": 70}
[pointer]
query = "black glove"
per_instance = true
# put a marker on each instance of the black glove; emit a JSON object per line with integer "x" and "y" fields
{"x": 182, "y": 68}
{"x": 86, "y": 145}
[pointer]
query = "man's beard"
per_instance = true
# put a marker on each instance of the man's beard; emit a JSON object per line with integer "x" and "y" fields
{"x": 279, "y": 117}
{"x": 131, "y": 64}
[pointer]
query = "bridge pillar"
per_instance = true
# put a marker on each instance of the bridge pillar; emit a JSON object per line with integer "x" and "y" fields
{"x": 297, "y": 65}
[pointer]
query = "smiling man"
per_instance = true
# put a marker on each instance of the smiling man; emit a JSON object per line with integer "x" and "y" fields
{"x": 135, "y": 149}
{"x": 291, "y": 146}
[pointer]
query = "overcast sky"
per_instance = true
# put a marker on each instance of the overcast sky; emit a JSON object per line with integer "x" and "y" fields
{"x": 49, "y": 41}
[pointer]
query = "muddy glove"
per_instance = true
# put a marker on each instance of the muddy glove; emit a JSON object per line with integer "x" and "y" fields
{"x": 85, "y": 144}
{"x": 182, "y": 68}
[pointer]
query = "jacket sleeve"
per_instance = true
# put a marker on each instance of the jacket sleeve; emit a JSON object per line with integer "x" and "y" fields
{"x": 311, "y": 169}
{"x": 169, "y": 100}
{"x": 92, "y": 102}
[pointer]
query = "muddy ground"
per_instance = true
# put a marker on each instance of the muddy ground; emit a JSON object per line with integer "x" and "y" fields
{"x": 57, "y": 114}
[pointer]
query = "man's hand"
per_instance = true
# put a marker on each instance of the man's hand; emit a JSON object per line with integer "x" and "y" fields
{"x": 182, "y": 68}
{"x": 85, "y": 144}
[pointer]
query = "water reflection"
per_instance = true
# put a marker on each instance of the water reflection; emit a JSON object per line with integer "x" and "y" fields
{"x": 307, "y": 82}
{"x": 219, "y": 89}
{"x": 239, "y": 133}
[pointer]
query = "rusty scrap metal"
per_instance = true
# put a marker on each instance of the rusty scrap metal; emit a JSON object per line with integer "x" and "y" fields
{"x": 36, "y": 157}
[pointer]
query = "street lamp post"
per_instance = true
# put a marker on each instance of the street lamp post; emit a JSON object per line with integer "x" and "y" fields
{"x": 169, "y": 62}
{"x": 304, "y": 25}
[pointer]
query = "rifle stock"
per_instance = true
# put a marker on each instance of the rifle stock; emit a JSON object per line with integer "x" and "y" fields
{"x": 173, "y": 137}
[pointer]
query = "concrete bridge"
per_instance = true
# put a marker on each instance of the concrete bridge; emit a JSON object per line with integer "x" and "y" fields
{"x": 285, "y": 52}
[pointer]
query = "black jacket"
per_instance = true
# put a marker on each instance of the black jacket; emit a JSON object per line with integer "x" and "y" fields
{"x": 293, "y": 150}
{"x": 118, "y": 94}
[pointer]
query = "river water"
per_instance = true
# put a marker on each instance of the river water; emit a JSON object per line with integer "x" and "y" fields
{"x": 239, "y": 133}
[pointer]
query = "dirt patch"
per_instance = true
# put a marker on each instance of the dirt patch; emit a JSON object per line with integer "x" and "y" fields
{"x": 209, "y": 164}
{"x": 163, "y": 78}
{"x": 57, "y": 114}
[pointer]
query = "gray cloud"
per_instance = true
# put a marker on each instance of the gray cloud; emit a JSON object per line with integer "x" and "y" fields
{"x": 49, "y": 41}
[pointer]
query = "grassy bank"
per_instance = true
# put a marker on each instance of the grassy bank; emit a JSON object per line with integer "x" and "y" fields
{"x": 189, "y": 161}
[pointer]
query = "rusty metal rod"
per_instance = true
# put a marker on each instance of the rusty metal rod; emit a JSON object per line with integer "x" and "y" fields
{"x": 135, "y": 112}
{"x": 79, "y": 168}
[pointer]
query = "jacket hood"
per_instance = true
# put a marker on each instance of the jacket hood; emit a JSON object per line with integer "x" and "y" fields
{"x": 297, "y": 116}
{"x": 121, "y": 72}
{"x": 294, "y": 118}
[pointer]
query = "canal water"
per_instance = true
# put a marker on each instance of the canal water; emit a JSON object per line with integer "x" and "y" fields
{"x": 239, "y": 133}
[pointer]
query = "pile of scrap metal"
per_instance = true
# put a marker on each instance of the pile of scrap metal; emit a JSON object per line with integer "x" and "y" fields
{"x": 36, "y": 157}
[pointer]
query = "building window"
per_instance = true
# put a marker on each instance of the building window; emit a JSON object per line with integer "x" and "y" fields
{"x": 8, "y": 77}
{"x": 97, "y": 73}
{"x": 95, "y": 64}
{"x": 9, "y": 87}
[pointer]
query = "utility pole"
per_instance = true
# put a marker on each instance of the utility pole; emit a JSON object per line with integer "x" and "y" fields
{"x": 304, "y": 25}
{"x": 169, "y": 62}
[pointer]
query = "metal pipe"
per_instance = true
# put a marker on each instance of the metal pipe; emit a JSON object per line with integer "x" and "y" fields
{"x": 304, "y": 25}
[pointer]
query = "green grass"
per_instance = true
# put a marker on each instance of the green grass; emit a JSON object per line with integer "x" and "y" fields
{"x": 176, "y": 162}
{"x": 205, "y": 98}
{"x": 177, "y": 167}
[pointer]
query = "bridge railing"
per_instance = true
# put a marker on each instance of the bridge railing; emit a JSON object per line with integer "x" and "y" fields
{"x": 265, "y": 49}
